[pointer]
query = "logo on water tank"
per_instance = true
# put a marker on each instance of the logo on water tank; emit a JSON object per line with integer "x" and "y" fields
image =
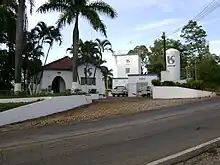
{"x": 171, "y": 61}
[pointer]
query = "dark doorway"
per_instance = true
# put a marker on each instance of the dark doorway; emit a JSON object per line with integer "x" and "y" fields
{"x": 58, "y": 85}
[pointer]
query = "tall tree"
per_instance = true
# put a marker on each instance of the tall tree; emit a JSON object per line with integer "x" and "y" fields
{"x": 144, "y": 53}
{"x": 71, "y": 11}
{"x": 88, "y": 52}
{"x": 19, "y": 40}
{"x": 103, "y": 46}
{"x": 48, "y": 35}
{"x": 196, "y": 46}
{"x": 107, "y": 76}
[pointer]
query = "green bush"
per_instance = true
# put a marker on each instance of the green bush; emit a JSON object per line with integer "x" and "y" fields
{"x": 93, "y": 91}
{"x": 156, "y": 82}
{"x": 78, "y": 92}
{"x": 195, "y": 84}
{"x": 168, "y": 83}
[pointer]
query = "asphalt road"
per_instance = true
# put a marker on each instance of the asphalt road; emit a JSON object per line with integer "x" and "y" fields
{"x": 131, "y": 140}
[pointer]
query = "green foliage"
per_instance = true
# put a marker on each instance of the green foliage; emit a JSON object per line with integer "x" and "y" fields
{"x": 195, "y": 39}
{"x": 195, "y": 84}
{"x": 156, "y": 82}
{"x": 143, "y": 52}
{"x": 78, "y": 92}
{"x": 168, "y": 83}
{"x": 93, "y": 91}
{"x": 8, "y": 106}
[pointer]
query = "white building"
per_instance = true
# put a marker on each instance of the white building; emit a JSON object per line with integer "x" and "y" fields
{"x": 57, "y": 76}
{"x": 127, "y": 64}
{"x": 129, "y": 74}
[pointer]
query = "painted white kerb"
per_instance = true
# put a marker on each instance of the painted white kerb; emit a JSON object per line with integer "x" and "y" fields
{"x": 183, "y": 152}
{"x": 43, "y": 108}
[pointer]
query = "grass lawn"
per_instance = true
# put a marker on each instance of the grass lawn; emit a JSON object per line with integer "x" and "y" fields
{"x": 8, "y": 106}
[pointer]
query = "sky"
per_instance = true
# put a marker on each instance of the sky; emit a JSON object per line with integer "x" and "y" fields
{"x": 137, "y": 24}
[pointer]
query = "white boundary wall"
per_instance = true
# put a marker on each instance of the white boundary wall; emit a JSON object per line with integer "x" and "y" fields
{"x": 165, "y": 92}
{"x": 43, "y": 108}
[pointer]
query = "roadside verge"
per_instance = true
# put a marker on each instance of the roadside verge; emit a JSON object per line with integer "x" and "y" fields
{"x": 187, "y": 154}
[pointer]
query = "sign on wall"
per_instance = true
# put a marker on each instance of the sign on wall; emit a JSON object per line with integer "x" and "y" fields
{"x": 88, "y": 72}
{"x": 171, "y": 61}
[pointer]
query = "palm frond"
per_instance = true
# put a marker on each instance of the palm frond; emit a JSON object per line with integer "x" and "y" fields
{"x": 106, "y": 43}
{"x": 103, "y": 8}
{"x": 49, "y": 7}
{"x": 69, "y": 50}
{"x": 32, "y": 5}
{"x": 94, "y": 19}
{"x": 67, "y": 17}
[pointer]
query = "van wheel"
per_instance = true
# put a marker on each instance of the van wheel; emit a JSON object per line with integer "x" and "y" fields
{"x": 113, "y": 95}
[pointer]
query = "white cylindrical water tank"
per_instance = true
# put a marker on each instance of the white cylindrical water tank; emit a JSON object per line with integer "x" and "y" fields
{"x": 173, "y": 64}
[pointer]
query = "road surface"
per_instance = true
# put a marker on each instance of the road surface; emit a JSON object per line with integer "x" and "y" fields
{"x": 132, "y": 140}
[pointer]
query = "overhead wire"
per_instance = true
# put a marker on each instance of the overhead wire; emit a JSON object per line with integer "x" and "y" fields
{"x": 213, "y": 5}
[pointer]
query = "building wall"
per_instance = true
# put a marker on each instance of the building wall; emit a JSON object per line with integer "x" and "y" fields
{"x": 131, "y": 62}
{"x": 100, "y": 84}
{"x": 49, "y": 76}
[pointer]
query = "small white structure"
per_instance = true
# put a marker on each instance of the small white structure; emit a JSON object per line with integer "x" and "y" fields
{"x": 138, "y": 81}
{"x": 172, "y": 72}
{"x": 57, "y": 76}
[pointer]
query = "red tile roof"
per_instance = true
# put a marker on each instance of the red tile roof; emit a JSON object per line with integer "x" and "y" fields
{"x": 64, "y": 63}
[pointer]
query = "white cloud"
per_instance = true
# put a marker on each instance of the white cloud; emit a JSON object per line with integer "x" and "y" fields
{"x": 159, "y": 24}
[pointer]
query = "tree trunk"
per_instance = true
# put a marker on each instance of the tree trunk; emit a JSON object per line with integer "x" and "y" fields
{"x": 19, "y": 44}
{"x": 86, "y": 77}
{"x": 42, "y": 71}
{"x": 75, "y": 53}
{"x": 96, "y": 70}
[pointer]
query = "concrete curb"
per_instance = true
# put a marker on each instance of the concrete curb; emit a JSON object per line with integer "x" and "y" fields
{"x": 187, "y": 154}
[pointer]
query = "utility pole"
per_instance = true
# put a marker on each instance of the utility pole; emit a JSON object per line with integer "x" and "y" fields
{"x": 164, "y": 48}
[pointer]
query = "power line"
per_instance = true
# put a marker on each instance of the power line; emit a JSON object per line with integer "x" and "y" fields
{"x": 213, "y": 5}
{"x": 217, "y": 5}
{"x": 210, "y": 4}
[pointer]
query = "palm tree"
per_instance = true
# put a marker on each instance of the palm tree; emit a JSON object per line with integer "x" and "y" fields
{"x": 41, "y": 30}
{"x": 107, "y": 76}
{"x": 19, "y": 40}
{"x": 52, "y": 35}
{"x": 103, "y": 45}
{"x": 88, "y": 53}
{"x": 70, "y": 11}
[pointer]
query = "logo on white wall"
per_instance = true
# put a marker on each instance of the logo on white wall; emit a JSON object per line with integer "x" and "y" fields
{"x": 171, "y": 61}
{"x": 88, "y": 71}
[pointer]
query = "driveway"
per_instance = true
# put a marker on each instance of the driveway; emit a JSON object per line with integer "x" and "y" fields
{"x": 132, "y": 140}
